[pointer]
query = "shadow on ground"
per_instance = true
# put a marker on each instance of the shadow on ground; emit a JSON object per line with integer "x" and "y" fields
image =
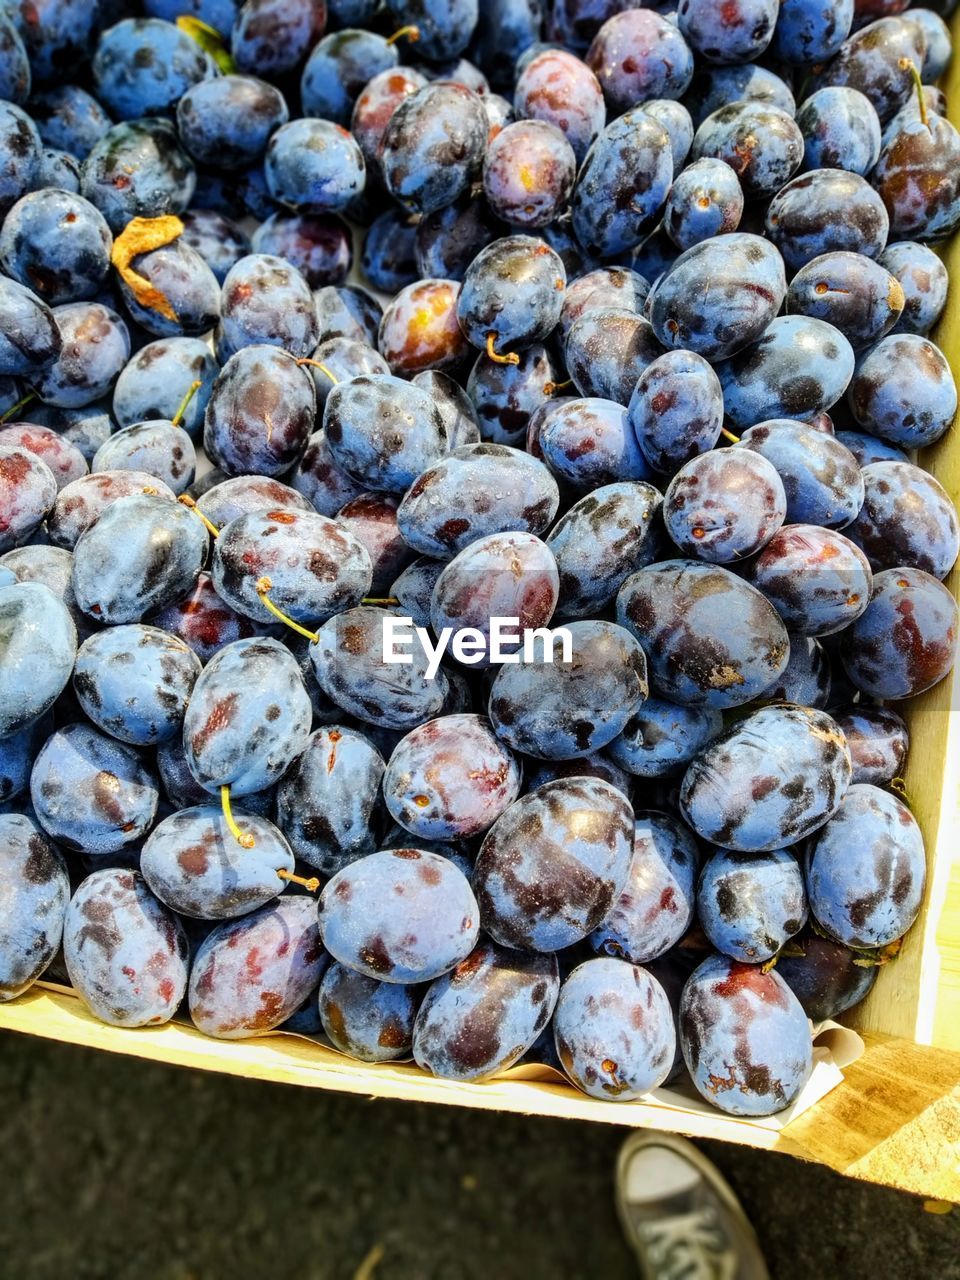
{"x": 114, "y": 1169}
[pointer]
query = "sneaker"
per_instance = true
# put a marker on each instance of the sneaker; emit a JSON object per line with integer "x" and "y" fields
{"x": 680, "y": 1215}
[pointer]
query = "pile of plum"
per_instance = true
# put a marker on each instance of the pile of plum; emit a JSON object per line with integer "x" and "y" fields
{"x": 647, "y": 358}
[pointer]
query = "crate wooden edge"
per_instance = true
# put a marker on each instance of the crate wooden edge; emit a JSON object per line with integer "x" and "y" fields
{"x": 895, "y": 1120}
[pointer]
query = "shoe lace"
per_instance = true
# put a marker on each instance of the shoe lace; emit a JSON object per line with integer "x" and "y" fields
{"x": 689, "y": 1246}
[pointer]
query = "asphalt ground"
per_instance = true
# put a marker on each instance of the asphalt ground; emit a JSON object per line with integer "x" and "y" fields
{"x": 116, "y": 1169}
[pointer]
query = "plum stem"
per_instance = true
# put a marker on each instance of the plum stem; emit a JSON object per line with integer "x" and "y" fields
{"x": 384, "y": 600}
{"x": 907, "y": 64}
{"x": 263, "y": 585}
{"x": 27, "y": 399}
{"x": 317, "y": 364}
{"x": 551, "y": 388}
{"x": 729, "y": 435}
{"x": 178, "y": 416}
{"x": 243, "y": 838}
{"x": 412, "y": 33}
{"x": 189, "y": 503}
{"x": 311, "y": 885}
{"x": 510, "y": 358}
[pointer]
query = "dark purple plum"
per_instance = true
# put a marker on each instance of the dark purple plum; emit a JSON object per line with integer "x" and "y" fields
{"x": 557, "y": 87}
{"x": 203, "y": 620}
{"x": 826, "y": 977}
{"x": 853, "y": 293}
{"x": 676, "y": 410}
{"x": 878, "y": 742}
{"x": 367, "y": 1019}
{"x": 81, "y": 503}
{"x": 606, "y": 350}
{"x": 759, "y": 141}
{"x": 841, "y": 130}
{"x": 372, "y": 519}
{"x": 511, "y": 295}
{"x": 319, "y": 245}
{"x": 433, "y": 146}
{"x": 554, "y": 863}
{"x": 447, "y": 240}
{"x": 826, "y": 211}
{"x": 589, "y": 443}
{"x": 505, "y": 396}
{"x": 450, "y": 778}
{"x": 618, "y": 288}
{"x": 817, "y": 579}
{"x": 907, "y": 518}
{"x": 265, "y": 300}
{"x": 638, "y": 55}
{"x": 347, "y": 311}
{"x": 905, "y": 640}
{"x": 768, "y": 781}
{"x": 870, "y": 61}
{"x": 261, "y": 412}
{"x": 323, "y": 484}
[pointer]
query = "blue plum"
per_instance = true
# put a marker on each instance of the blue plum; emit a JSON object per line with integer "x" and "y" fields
{"x": 135, "y": 681}
{"x": 923, "y": 278}
{"x": 218, "y": 240}
{"x": 56, "y": 244}
{"x": 265, "y": 300}
{"x": 866, "y": 869}
{"x": 907, "y": 518}
{"x": 314, "y": 166}
{"x": 589, "y": 443}
{"x": 272, "y": 38}
{"x": 719, "y": 296}
{"x": 260, "y": 413}
{"x": 821, "y": 478}
{"x": 81, "y": 503}
{"x": 511, "y": 295}
{"x": 388, "y": 259}
{"x": 348, "y": 311}
{"x": 841, "y": 130}
{"x": 714, "y": 87}
{"x": 614, "y": 1030}
{"x": 768, "y": 781}
{"x": 744, "y": 1037}
{"x": 732, "y": 33}
{"x": 676, "y": 410}
{"x": 656, "y": 905}
{"x": 327, "y": 801}
{"x": 433, "y": 146}
{"x": 401, "y": 915}
{"x": 705, "y": 200}
{"x": 606, "y": 349}
{"x": 760, "y": 142}
{"x": 138, "y": 169}
{"x": 661, "y": 738}
{"x": 818, "y": 580}
{"x": 825, "y": 211}
{"x": 808, "y": 32}
{"x": 711, "y": 639}
{"x": 450, "y": 778}
{"x": 193, "y": 864}
{"x": 30, "y": 337}
{"x": 226, "y": 122}
{"x": 903, "y": 391}
{"x": 366, "y": 1019}
{"x": 158, "y": 448}
{"x": 142, "y": 553}
{"x": 638, "y": 55}
{"x": 187, "y": 283}
{"x": 870, "y": 61}
{"x": 143, "y": 66}
{"x": 481, "y": 1018}
{"x": 856, "y": 295}
{"x": 382, "y": 431}
{"x": 250, "y": 975}
{"x": 248, "y": 719}
{"x": 319, "y": 245}
{"x": 557, "y": 710}
{"x": 38, "y": 646}
{"x": 15, "y": 76}
{"x": 750, "y": 904}
{"x": 20, "y": 153}
{"x": 19, "y": 749}
{"x": 623, "y": 184}
{"x": 724, "y": 504}
{"x": 320, "y": 481}
{"x": 92, "y": 793}
{"x": 36, "y": 893}
{"x": 552, "y": 866}
{"x": 70, "y": 118}
{"x": 96, "y": 346}
{"x": 154, "y": 382}
{"x": 601, "y": 539}
{"x": 878, "y": 740}
{"x": 126, "y": 954}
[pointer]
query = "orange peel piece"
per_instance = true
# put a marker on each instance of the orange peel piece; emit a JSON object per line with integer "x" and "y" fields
{"x": 141, "y": 235}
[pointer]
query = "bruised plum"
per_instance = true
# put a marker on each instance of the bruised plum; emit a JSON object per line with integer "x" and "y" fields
{"x": 552, "y": 865}
{"x": 248, "y": 718}
{"x": 817, "y": 580}
{"x": 614, "y": 1030}
{"x": 251, "y": 974}
{"x": 769, "y": 780}
{"x": 483, "y": 1016}
{"x": 126, "y": 953}
{"x": 80, "y": 503}
{"x": 260, "y": 413}
{"x": 401, "y": 915}
{"x": 656, "y": 905}
{"x": 194, "y": 864}
{"x": 744, "y": 1037}
{"x": 589, "y": 443}
{"x": 710, "y": 638}
{"x": 36, "y": 890}
{"x": 866, "y": 869}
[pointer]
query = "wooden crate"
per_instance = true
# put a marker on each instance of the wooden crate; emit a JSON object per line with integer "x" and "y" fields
{"x": 896, "y": 1117}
